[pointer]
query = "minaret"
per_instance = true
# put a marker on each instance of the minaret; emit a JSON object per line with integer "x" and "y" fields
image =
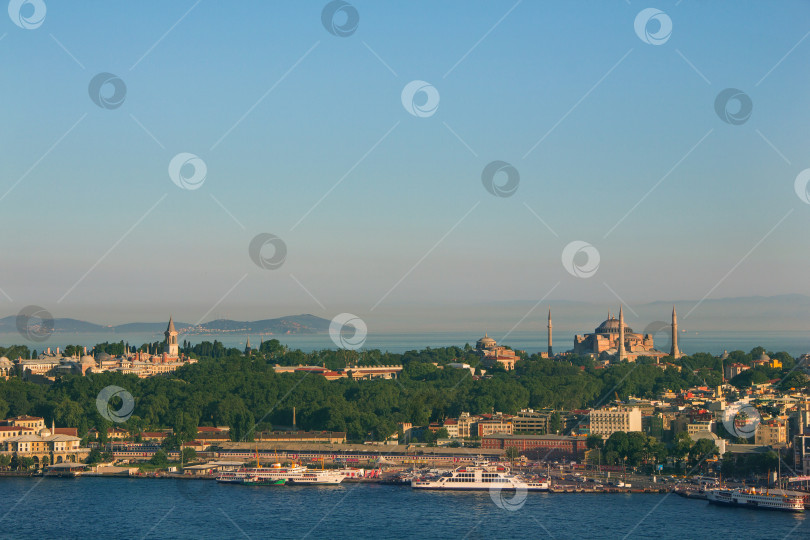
{"x": 621, "y": 354}
{"x": 170, "y": 345}
{"x": 675, "y": 352}
{"x": 550, "y": 353}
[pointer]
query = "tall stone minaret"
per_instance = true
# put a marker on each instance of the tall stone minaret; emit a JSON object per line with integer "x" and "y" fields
{"x": 550, "y": 353}
{"x": 170, "y": 346}
{"x": 675, "y": 352}
{"x": 622, "y": 354}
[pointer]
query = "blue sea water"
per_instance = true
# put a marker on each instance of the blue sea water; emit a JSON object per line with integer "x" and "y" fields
{"x": 793, "y": 342}
{"x": 149, "y": 508}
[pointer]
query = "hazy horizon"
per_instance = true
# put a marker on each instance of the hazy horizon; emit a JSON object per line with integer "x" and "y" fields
{"x": 415, "y": 165}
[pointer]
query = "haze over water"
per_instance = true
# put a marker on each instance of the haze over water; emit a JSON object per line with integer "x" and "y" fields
{"x": 794, "y": 343}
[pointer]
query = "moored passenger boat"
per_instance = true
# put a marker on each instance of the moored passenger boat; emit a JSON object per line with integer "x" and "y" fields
{"x": 759, "y": 499}
{"x": 275, "y": 472}
{"x": 481, "y": 475}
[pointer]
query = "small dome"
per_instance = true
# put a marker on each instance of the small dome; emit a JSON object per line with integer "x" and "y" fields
{"x": 611, "y": 326}
{"x": 485, "y": 342}
{"x": 764, "y": 357}
{"x": 724, "y": 356}
{"x": 4, "y": 360}
{"x": 87, "y": 359}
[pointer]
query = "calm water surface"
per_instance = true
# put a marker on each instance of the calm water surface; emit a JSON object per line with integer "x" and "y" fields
{"x": 795, "y": 343}
{"x": 133, "y": 508}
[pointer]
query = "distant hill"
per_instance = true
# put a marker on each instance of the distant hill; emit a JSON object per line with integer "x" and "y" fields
{"x": 72, "y": 326}
{"x": 295, "y": 324}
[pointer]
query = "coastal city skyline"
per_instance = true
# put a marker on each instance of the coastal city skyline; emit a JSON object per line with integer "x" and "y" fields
{"x": 352, "y": 269}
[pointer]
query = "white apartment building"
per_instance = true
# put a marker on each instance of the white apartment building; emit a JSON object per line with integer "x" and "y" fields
{"x": 607, "y": 421}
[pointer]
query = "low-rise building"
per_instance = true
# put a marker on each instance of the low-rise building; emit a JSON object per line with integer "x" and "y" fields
{"x": 698, "y": 427}
{"x": 8, "y": 432}
{"x": 451, "y": 425}
{"x": 541, "y": 446}
{"x": 771, "y": 433}
{"x": 609, "y": 420}
{"x": 466, "y": 421}
{"x": 531, "y": 422}
{"x": 32, "y": 422}
{"x": 495, "y": 425}
{"x": 44, "y": 447}
{"x": 732, "y": 370}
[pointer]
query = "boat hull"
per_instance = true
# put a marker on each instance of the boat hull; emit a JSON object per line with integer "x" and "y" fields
{"x": 756, "y": 501}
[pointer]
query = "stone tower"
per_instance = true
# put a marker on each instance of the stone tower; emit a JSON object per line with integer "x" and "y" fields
{"x": 621, "y": 354}
{"x": 170, "y": 344}
{"x": 675, "y": 352}
{"x": 550, "y": 353}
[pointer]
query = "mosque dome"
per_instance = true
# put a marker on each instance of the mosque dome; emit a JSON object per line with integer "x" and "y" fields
{"x": 764, "y": 357}
{"x": 611, "y": 326}
{"x": 724, "y": 356}
{"x": 87, "y": 359}
{"x": 485, "y": 342}
{"x": 4, "y": 360}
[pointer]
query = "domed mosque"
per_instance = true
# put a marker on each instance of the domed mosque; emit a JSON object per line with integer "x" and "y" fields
{"x": 615, "y": 337}
{"x": 492, "y": 353}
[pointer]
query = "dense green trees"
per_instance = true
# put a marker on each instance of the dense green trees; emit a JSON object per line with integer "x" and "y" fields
{"x": 246, "y": 394}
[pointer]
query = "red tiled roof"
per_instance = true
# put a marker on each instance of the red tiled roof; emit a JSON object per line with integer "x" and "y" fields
{"x": 72, "y": 431}
{"x": 154, "y": 434}
{"x": 14, "y": 428}
{"x": 209, "y": 429}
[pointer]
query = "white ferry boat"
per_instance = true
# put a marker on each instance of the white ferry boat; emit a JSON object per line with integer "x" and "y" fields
{"x": 275, "y": 472}
{"x": 481, "y": 475}
{"x": 753, "y": 498}
{"x": 318, "y": 477}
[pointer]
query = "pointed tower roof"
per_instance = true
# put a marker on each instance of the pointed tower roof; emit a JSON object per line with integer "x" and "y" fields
{"x": 170, "y": 328}
{"x": 247, "y": 345}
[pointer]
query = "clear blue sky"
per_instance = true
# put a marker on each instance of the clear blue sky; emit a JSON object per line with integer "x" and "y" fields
{"x": 527, "y": 79}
